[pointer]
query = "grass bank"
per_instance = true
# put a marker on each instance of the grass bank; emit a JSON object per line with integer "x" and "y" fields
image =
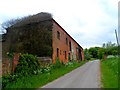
{"x": 109, "y": 73}
{"x": 36, "y": 81}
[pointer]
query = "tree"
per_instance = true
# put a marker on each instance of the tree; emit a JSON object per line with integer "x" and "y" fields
{"x": 94, "y": 52}
{"x": 111, "y": 48}
{"x": 101, "y": 53}
{"x": 86, "y": 54}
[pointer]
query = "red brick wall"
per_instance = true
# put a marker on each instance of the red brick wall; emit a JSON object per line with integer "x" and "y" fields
{"x": 7, "y": 65}
{"x": 62, "y": 46}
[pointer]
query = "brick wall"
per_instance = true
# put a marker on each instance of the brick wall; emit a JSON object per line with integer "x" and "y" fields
{"x": 60, "y": 48}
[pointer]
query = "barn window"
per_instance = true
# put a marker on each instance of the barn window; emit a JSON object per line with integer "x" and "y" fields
{"x": 58, "y": 52}
{"x": 58, "y": 35}
{"x": 70, "y": 45}
{"x": 67, "y": 41}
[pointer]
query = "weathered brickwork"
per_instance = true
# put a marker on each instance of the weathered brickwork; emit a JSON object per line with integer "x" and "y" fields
{"x": 49, "y": 42}
{"x": 64, "y": 46}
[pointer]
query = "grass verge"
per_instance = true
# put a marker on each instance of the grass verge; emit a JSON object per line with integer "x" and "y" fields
{"x": 36, "y": 81}
{"x": 109, "y": 73}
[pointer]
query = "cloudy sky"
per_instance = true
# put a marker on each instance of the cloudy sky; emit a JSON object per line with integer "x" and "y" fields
{"x": 90, "y": 22}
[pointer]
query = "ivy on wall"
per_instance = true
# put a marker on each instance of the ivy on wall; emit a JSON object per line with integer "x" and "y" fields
{"x": 32, "y": 34}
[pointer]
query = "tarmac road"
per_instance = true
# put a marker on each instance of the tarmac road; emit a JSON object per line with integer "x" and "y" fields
{"x": 86, "y": 76}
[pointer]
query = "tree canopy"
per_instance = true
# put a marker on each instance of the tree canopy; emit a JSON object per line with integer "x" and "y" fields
{"x": 108, "y": 48}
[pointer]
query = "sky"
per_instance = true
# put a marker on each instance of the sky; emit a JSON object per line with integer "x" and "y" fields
{"x": 90, "y": 22}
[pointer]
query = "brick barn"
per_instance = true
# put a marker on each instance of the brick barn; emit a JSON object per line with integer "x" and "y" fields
{"x": 41, "y": 35}
{"x": 64, "y": 46}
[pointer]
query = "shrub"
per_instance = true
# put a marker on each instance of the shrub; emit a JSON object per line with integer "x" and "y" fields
{"x": 69, "y": 64}
{"x": 46, "y": 69}
{"x": 57, "y": 64}
{"x": 87, "y": 56}
{"x": 5, "y": 80}
{"x": 28, "y": 64}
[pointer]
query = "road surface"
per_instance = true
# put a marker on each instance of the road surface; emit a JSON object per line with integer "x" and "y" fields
{"x": 86, "y": 76}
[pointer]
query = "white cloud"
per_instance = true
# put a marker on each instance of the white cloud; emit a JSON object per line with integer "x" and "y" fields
{"x": 90, "y": 22}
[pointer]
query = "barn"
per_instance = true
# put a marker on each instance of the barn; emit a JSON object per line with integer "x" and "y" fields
{"x": 41, "y": 35}
{"x": 64, "y": 46}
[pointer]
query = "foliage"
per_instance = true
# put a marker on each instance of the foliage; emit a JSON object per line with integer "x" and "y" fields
{"x": 111, "y": 48}
{"x": 29, "y": 71}
{"x": 5, "y": 80}
{"x": 87, "y": 54}
{"x": 28, "y": 64}
{"x": 69, "y": 64}
{"x": 58, "y": 64}
{"x": 10, "y": 54}
{"x": 99, "y": 52}
{"x": 9, "y": 23}
{"x": 108, "y": 45}
{"x": 94, "y": 52}
{"x": 37, "y": 81}
{"x": 46, "y": 69}
{"x": 10, "y": 57}
{"x": 112, "y": 63}
{"x": 31, "y": 34}
{"x": 109, "y": 73}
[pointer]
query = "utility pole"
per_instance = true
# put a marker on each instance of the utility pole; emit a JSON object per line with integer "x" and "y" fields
{"x": 116, "y": 37}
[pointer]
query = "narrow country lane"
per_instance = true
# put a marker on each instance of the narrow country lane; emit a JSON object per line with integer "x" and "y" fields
{"x": 86, "y": 76}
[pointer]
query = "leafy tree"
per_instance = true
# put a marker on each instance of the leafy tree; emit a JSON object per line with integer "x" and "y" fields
{"x": 94, "y": 52}
{"x": 101, "y": 53}
{"x": 86, "y": 54}
{"x": 111, "y": 48}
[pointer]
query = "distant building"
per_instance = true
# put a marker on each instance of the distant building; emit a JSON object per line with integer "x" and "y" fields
{"x": 43, "y": 36}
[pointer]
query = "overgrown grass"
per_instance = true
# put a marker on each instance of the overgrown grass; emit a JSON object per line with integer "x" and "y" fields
{"x": 109, "y": 73}
{"x": 36, "y": 81}
{"x": 91, "y": 59}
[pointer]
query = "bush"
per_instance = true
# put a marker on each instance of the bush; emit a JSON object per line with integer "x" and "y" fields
{"x": 69, "y": 64}
{"x": 45, "y": 69}
{"x": 57, "y": 64}
{"x": 28, "y": 64}
{"x": 87, "y": 56}
{"x": 5, "y": 80}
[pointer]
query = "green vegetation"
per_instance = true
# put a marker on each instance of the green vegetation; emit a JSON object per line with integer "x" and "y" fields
{"x": 30, "y": 75}
{"x": 100, "y": 52}
{"x": 109, "y": 73}
{"x": 30, "y": 34}
{"x": 28, "y": 64}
